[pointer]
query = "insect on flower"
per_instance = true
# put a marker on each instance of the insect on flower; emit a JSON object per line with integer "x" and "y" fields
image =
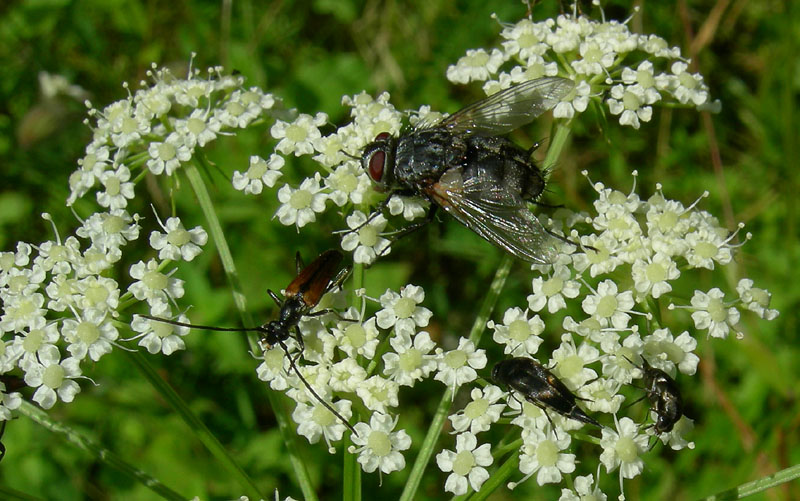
{"x": 540, "y": 387}
{"x": 301, "y": 296}
{"x": 464, "y": 165}
{"x": 663, "y": 394}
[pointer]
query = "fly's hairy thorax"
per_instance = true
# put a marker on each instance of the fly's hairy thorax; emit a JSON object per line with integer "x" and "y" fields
{"x": 423, "y": 156}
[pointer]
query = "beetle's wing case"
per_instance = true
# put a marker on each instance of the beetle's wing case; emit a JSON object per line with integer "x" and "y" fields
{"x": 495, "y": 214}
{"x": 508, "y": 109}
{"x": 312, "y": 281}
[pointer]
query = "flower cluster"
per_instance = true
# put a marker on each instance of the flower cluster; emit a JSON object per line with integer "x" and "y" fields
{"x": 610, "y": 296}
{"x": 628, "y": 71}
{"x": 340, "y": 359}
{"x": 631, "y": 251}
{"x": 60, "y": 304}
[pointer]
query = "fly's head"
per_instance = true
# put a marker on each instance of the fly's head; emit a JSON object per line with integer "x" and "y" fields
{"x": 378, "y": 160}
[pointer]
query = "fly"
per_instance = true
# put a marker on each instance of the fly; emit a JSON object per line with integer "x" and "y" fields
{"x": 300, "y": 297}
{"x": 464, "y": 165}
{"x": 663, "y": 394}
{"x": 540, "y": 387}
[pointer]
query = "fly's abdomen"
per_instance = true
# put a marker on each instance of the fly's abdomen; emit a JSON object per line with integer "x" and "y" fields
{"x": 506, "y": 164}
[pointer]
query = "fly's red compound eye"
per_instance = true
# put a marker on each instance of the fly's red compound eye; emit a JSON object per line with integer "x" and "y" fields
{"x": 376, "y": 163}
{"x": 383, "y": 136}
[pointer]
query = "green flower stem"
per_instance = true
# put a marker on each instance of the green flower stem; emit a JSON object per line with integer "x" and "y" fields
{"x": 557, "y": 144}
{"x": 435, "y": 429}
{"x": 99, "y": 452}
{"x": 351, "y": 476}
{"x": 756, "y": 486}
{"x": 498, "y": 478}
{"x": 489, "y": 302}
{"x": 278, "y": 407}
{"x": 426, "y": 451}
{"x": 195, "y": 424}
{"x": 7, "y": 492}
{"x": 215, "y": 229}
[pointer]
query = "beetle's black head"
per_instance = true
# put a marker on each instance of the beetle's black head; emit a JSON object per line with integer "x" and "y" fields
{"x": 378, "y": 160}
{"x": 500, "y": 372}
{"x": 273, "y": 333}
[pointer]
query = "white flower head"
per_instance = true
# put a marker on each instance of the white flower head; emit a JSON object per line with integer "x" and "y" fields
{"x": 552, "y": 291}
{"x": 260, "y": 173}
{"x": 755, "y": 299}
{"x": 467, "y": 463}
{"x": 402, "y": 311}
{"x": 153, "y": 286}
{"x": 481, "y": 412}
{"x": 177, "y": 242}
{"x": 713, "y": 314}
{"x": 167, "y": 156}
{"x": 608, "y": 306}
{"x": 457, "y": 367}
{"x": 118, "y": 188}
{"x": 315, "y": 421}
{"x": 519, "y": 334}
{"x": 300, "y": 206}
{"x": 53, "y": 380}
{"x": 110, "y": 230}
{"x": 571, "y": 361}
{"x": 161, "y": 336}
{"x": 299, "y": 136}
{"x": 199, "y": 128}
{"x": 378, "y": 393}
{"x": 541, "y": 454}
{"x": 651, "y": 276}
{"x": 583, "y": 490}
{"x": 476, "y": 65}
{"x": 89, "y": 334}
{"x": 348, "y": 183}
{"x": 411, "y": 360}
{"x": 575, "y": 102}
{"x": 666, "y": 353}
{"x": 357, "y": 338}
{"x": 365, "y": 237}
{"x": 379, "y": 447}
{"x": 623, "y": 449}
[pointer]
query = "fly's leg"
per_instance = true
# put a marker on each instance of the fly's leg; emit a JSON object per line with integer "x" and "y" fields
{"x": 409, "y": 229}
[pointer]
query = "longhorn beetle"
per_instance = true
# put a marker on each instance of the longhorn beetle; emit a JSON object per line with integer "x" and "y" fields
{"x": 300, "y": 297}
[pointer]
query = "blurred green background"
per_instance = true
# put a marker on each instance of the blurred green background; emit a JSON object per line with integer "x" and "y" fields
{"x": 744, "y": 398}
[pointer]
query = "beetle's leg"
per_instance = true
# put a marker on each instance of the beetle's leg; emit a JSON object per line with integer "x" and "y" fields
{"x": 275, "y": 297}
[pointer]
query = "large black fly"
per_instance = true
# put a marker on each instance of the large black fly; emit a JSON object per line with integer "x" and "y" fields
{"x": 464, "y": 165}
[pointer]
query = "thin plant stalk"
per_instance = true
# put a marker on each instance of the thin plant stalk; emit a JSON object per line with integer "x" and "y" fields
{"x": 280, "y": 410}
{"x": 98, "y": 451}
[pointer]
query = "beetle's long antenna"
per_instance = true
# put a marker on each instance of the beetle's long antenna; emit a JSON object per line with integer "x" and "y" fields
{"x": 206, "y": 327}
{"x": 311, "y": 390}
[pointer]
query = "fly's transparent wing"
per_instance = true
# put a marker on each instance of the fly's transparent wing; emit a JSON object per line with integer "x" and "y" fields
{"x": 492, "y": 212}
{"x": 508, "y": 109}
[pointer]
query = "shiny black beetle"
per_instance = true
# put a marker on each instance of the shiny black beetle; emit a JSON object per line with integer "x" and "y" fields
{"x": 540, "y": 387}
{"x": 663, "y": 394}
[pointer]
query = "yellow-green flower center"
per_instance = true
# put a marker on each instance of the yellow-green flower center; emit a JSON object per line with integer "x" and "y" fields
{"x": 53, "y": 376}
{"x": 463, "y": 463}
{"x": 379, "y": 443}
